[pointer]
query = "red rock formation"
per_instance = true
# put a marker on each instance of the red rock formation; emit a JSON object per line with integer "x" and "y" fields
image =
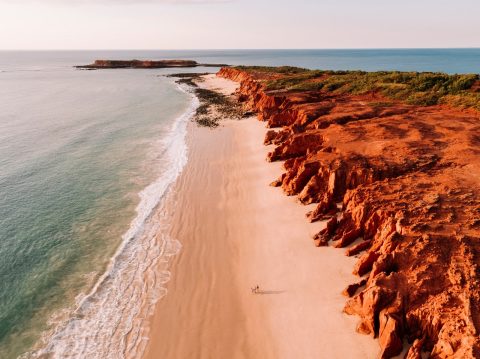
{"x": 408, "y": 178}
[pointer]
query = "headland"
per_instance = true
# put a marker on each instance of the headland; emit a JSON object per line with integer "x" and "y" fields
{"x": 400, "y": 153}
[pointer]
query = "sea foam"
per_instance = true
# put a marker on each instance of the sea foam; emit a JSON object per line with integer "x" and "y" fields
{"x": 110, "y": 321}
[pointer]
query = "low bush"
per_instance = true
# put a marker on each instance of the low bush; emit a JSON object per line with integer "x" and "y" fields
{"x": 419, "y": 88}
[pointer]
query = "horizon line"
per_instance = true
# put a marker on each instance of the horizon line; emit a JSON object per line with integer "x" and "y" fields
{"x": 253, "y": 49}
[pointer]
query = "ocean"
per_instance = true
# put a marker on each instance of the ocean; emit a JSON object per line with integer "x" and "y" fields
{"x": 86, "y": 158}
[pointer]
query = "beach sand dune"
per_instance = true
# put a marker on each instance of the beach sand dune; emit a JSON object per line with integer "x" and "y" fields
{"x": 238, "y": 232}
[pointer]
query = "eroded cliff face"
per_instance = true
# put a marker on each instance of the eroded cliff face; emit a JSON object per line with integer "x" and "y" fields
{"x": 408, "y": 180}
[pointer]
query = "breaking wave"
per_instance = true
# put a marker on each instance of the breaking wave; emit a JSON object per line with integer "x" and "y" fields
{"x": 109, "y": 322}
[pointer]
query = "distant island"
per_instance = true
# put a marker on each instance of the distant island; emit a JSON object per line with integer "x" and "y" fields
{"x": 144, "y": 64}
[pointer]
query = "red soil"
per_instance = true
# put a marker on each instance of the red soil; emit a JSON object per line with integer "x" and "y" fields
{"x": 408, "y": 178}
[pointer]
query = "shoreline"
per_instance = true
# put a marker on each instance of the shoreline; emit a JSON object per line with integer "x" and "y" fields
{"x": 233, "y": 240}
{"x": 135, "y": 274}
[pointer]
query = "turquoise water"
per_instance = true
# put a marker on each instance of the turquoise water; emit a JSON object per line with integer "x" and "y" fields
{"x": 76, "y": 148}
{"x": 85, "y": 159}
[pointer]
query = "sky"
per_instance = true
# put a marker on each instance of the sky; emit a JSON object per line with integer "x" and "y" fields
{"x": 238, "y": 24}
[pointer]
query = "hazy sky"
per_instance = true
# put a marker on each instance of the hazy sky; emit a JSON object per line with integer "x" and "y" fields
{"x": 197, "y": 24}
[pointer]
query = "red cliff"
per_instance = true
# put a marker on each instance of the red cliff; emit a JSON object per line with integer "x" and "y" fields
{"x": 408, "y": 181}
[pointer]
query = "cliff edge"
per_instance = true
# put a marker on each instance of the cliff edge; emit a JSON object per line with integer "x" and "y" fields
{"x": 401, "y": 153}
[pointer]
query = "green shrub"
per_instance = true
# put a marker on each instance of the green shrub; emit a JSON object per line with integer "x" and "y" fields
{"x": 419, "y": 88}
{"x": 270, "y": 69}
{"x": 308, "y": 86}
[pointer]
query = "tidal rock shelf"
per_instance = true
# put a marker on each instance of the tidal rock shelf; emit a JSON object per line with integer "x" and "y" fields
{"x": 401, "y": 152}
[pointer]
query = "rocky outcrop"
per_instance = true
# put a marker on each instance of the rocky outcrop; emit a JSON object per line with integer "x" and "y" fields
{"x": 407, "y": 181}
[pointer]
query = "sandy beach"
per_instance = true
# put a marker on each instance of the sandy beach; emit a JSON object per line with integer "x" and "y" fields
{"x": 236, "y": 232}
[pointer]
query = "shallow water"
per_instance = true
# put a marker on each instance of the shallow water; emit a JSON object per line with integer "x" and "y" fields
{"x": 79, "y": 151}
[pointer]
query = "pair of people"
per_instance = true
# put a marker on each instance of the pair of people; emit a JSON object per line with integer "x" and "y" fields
{"x": 256, "y": 289}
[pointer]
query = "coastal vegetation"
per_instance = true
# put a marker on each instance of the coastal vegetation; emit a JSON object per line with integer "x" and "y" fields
{"x": 415, "y": 88}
